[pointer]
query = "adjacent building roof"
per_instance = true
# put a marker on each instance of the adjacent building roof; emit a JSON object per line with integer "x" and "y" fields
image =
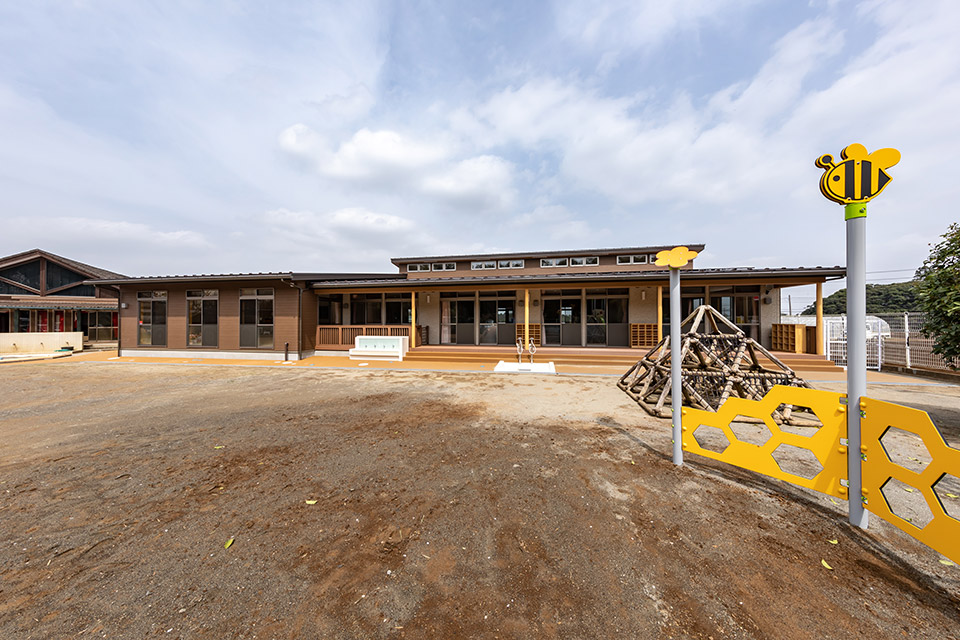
{"x": 80, "y": 267}
{"x": 544, "y": 254}
{"x": 228, "y": 277}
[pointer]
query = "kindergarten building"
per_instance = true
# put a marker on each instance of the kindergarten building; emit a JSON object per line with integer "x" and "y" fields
{"x": 594, "y": 299}
{"x": 41, "y": 292}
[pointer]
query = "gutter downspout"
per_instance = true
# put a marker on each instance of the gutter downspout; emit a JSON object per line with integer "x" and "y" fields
{"x": 299, "y": 317}
{"x": 119, "y": 320}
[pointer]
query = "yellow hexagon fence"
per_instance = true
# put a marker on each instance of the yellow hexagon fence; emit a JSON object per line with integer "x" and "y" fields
{"x": 942, "y": 532}
{"x": 825, "y": 444}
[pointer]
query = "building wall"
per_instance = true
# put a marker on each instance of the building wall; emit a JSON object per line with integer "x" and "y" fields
{"x": 643, "y": 305}
{"x": 532, "y": 266}
{"x": 285, "y": 321}
{"x": 769, "y": 315}
{"x": 428, "y": 315}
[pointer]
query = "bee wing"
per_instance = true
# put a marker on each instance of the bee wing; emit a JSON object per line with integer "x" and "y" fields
{"x": 856, "y": 151}
{"x": 885, "y": 157}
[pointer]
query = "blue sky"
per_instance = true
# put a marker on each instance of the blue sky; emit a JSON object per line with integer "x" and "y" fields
{"x": 168, "y": 137}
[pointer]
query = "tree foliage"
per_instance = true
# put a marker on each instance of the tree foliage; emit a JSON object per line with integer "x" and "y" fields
{"x": 881, "y": 298}
{"x": 940, "y": 294}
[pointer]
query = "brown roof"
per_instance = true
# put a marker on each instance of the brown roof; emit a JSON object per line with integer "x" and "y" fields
{"x": 545, "y": 254}
{"x": 772, "y": 274}
{"x": 221, "y": 277}
{"x": 80, "y": 267}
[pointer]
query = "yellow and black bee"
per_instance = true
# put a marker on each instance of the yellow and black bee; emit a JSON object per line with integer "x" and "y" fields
{"x": 859, "y": 177}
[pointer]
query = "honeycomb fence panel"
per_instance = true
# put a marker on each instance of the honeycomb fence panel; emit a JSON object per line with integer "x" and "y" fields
{"x": 911, "y": 476}
{"x": 744, "y": 433}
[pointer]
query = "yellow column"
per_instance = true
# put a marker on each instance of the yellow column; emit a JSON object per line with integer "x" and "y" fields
{"x": 413, "y": 319}
{"x": 659, "y": 314}
{"x": 819, "y": 318}
{"x": 526, "y": 317}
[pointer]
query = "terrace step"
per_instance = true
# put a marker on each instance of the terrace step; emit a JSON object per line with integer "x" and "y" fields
{"x": 611, "y": 358}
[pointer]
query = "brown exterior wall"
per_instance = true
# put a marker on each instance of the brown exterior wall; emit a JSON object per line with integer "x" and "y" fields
{"x": 308, "y": 326}
{"x": 532, "y": 266}
{"x": 285, "y": 321}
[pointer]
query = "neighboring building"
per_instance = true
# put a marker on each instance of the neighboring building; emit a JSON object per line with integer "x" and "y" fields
{"x": 594, "y": 298}
{"x": 41, "y": 292}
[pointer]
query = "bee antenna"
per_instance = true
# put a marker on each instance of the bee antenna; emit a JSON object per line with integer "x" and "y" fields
{"x": 825, "y": 161}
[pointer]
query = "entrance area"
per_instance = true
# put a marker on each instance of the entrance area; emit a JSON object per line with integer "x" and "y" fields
{"x": 585, "y": 317}
{"x": 485, "y": 317}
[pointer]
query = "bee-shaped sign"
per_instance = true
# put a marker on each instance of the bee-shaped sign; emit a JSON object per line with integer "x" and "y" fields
{"x": 860, "y": 177}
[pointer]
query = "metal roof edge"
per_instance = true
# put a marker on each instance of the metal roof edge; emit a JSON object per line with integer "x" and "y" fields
{"x": 653, "y": 275}
{"x": 543, "y": 254}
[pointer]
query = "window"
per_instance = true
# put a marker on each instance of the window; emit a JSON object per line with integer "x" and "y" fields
{"x": 444, "y": 266}
{"x": 510, "y": 264}
{"x": 553, "y": 262}
{"x": 591, "y": 261}
{"x": 101, "y": 325}
{"x": 365, "y": 308}
{"x": 329, "y": 309}
{"x": 397, "y": 308}
{"x": 58, "y": 277}
{"x": 202, "y": 317}
{"x": 483, "y": 265}
{"x": 153, "y": 318}
{"x": 256, "y": 318}
{"x": 638, "y": 259}
{"x": 420, "y": 266}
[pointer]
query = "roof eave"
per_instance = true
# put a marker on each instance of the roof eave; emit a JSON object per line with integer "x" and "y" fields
{"x": 542, "y": 254}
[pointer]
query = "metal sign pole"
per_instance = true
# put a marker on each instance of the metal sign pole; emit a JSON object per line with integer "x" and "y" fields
{"x": 676, "y": 393}
{"x": 855, "y": 215}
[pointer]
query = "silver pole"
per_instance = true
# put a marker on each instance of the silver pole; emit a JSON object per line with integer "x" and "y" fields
{"x": 676, "y": 393}
{"x": 856, "y": 215}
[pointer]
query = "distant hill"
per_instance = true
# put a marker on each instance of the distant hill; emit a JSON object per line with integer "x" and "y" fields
{"x": 881, "y": 298}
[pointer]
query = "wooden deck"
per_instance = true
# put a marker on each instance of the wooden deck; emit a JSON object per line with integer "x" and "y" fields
{"x": 583, "y": 356}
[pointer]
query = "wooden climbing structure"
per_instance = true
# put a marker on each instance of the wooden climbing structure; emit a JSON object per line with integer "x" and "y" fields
{"x": 718, "y": 361}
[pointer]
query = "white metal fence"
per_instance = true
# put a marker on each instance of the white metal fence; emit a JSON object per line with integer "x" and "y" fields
{"x": 905, "y": 345}
{"x": 893, "y": 339}
{"x": 835, "y": 340}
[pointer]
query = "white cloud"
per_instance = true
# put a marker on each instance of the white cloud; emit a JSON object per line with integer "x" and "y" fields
{"x": 620, "y": 26}
{"x": 390, "y": 161}
{"x": 381, "y": 155}
{"x": 340, "y": 240}
{"x": 553, "y": 226}
{"x": 479, "y": 183}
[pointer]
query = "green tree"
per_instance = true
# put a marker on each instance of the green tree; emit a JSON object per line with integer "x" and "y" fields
{"x": 881, "y": 298}
{"x": 940, "y": 295}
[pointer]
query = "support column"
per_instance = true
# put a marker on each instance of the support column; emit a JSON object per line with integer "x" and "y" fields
{"x": 526, "y": 318}
{"x": 659, "y": 314}
{"x": 413, "y": 319}
{"x": 856, "y": 222}
{"x": 676, "y": 388}
{"x": 819, "y": 318}
{"x": 583, "y": 317}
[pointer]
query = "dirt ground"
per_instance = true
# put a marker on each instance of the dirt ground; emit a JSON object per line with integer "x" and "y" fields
{"x": 380, "y": 504}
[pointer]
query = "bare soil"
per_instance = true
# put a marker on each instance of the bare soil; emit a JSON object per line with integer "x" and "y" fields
{"x": 446, "y": 506}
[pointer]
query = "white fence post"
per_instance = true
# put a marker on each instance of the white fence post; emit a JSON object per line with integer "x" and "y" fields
{"x": 906, "y": 337}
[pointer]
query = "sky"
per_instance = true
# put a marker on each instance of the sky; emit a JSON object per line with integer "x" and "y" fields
{"x": 156, "y": 138}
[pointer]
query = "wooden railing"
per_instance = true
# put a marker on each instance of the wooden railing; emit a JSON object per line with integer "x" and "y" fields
{"x": 342, "y": 336}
